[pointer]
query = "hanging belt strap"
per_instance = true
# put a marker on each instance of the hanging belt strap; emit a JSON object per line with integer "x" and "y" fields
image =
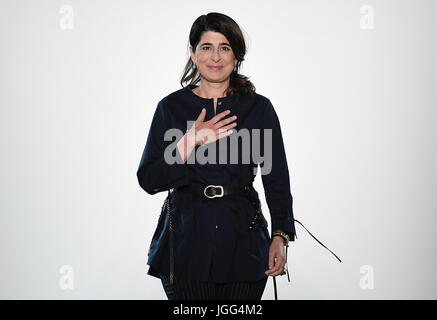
{"x": 316, "y": 239}
{"x": 170, "y": 229}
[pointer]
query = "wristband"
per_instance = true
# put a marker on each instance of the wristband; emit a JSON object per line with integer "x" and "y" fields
{"x": 281, "y": 233}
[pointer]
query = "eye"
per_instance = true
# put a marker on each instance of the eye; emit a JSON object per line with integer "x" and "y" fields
{"x": 226, "y": 48}
{"x": 205, "y": 48}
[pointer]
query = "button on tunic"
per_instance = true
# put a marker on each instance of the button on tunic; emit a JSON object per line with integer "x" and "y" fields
{"x": 212, "y": 240}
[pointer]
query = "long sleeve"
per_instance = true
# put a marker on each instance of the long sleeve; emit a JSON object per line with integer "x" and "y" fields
{"x": 154, "y": 174}
{"x": 277, "y": 182}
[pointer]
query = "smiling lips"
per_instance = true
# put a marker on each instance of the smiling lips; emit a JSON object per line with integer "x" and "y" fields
{"x": 215, "y": 68}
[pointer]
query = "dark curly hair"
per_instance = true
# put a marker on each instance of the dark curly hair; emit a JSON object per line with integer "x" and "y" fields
{"x": 225, "y": 25}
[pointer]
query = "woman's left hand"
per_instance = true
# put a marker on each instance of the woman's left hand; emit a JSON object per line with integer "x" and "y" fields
{"x": 277, "y": 257}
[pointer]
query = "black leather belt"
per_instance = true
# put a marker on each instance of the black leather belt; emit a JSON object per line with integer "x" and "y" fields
{"x": 218, "y": 191}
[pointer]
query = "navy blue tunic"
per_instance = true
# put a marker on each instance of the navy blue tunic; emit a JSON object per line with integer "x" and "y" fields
{"x": 211, "y": 237}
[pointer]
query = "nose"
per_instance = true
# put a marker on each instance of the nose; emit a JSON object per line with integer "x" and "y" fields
{"x": 215, "y": 55}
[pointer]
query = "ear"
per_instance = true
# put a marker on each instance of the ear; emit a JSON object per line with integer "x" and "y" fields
{"x": 193, "y": 56}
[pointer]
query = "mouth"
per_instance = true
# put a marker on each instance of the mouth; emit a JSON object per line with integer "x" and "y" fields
{"x": 215, "y": 68}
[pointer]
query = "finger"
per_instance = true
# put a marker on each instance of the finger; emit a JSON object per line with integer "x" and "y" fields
{"x": 274, "y": 271}
{"x": 229, "y": 126}
{"x": 277, "y": 270}
{"x": 224, "y": 134}
{"x": 217, "y": 117}
{"x": 279, "y": 261}
{"x": 201, "y": 116}
{"x": 225, "y": 121}
{"x": 278, "y": 266}
{"x": 270, "y": 272}
{"x": 271, "y": 261}
{"x": 225, "y": 129}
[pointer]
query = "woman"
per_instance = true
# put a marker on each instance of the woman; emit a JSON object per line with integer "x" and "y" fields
{"x": 219, "y": 243}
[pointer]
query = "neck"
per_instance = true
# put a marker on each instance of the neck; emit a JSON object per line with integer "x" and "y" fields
{"x": 212, "y": 90}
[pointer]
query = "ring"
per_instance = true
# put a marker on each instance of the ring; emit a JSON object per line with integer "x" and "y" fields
{"x": 284, "y": 271}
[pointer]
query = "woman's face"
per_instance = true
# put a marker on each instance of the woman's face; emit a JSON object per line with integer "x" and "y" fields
{"x": 214, "y": 50}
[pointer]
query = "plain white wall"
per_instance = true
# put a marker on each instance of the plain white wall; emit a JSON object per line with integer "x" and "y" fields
{"x": 357, "y": 110}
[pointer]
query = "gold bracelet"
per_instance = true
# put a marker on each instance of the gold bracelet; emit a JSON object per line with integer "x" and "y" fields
{"x": 281, "y": 233}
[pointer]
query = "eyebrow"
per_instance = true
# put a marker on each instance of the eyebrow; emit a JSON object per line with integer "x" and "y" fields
{"x": 210, "y": 44}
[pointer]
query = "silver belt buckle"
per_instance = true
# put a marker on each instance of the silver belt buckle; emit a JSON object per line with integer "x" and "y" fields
{"x": 214, "y": 196}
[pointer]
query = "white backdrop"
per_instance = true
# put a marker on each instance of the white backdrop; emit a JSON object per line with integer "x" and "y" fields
{"x": 79, "y": 83}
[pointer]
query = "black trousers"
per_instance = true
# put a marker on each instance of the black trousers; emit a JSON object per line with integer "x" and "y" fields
{"x": 201, "y": 290}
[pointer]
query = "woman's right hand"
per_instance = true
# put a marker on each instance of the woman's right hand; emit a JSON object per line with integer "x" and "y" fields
{"x": 213, "y": 129}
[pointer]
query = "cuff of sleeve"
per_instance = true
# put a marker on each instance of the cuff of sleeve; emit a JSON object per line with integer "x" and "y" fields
{"x": 285, "y": 225}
